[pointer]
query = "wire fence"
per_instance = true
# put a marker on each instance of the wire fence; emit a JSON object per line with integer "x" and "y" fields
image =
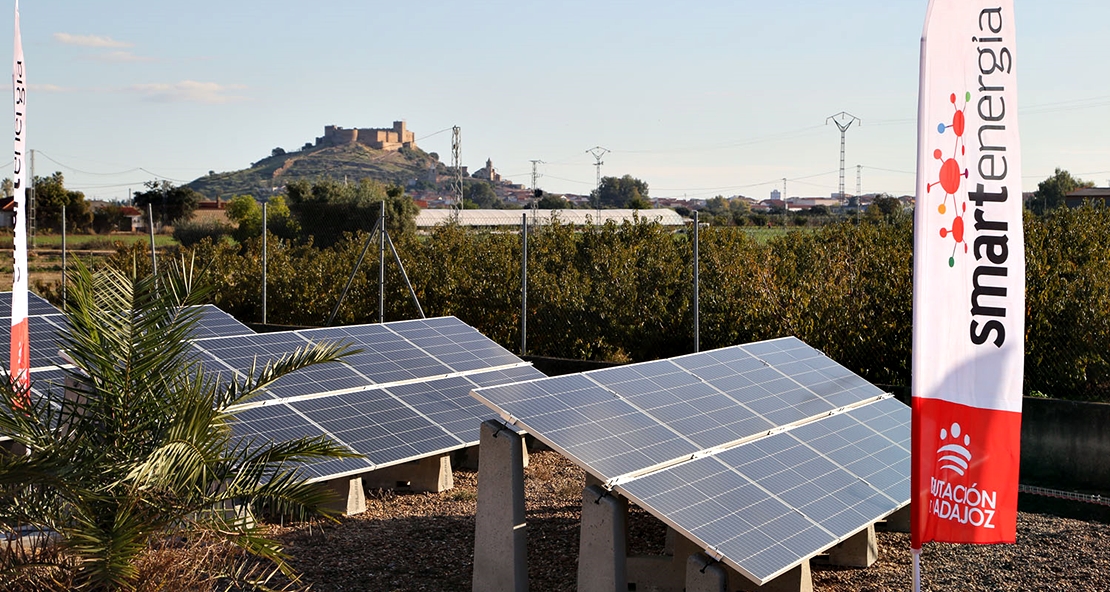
{"x": 630, "y": 290}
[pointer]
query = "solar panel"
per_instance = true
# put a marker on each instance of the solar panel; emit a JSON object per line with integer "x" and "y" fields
{"x": 404, "y": 396}
{"x": 281, "y": 422}
{"x": 771, "y": 451}
{"x": 241, "y": 352}
{"x": 386, "y": 356}
{"x": 378, "y": 425}
{"x": 590, "y": 424}
{"x": 213, "y": 322}
{"x": 36, "y": 305}
{"x": 43, "y": 338}
{"x": 454, "y": 343}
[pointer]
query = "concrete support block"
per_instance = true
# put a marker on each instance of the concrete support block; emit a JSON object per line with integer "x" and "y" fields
{"x": 654, "y": 573}
{"x": 897, "y": 522}
{"x": 603, "y": 546}
{"x": 858, "y": 550}
{"x": 468, "y": 458}
{"x": 668, "y": 541}
{"x": 431, "y": 474}
{"x": 347, "y": 494}
{"x": 705, "y": 575}
{"x": 799, "y": 579}
{"x": 500, "y": 533}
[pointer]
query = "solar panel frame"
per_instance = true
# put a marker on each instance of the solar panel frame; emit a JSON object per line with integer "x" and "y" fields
{"x": 859, "y": 472}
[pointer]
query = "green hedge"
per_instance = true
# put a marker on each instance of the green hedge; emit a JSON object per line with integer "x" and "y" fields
{"x": 624, "y": 292}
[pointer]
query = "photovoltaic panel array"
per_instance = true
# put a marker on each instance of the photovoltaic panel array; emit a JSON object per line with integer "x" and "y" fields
{"x": 36, "y": 305}
{"x": 47, "y": 325}
{"x": 404, "y": 396}
{"x": 765, "y": 454}
{"x": 213, "y": 322}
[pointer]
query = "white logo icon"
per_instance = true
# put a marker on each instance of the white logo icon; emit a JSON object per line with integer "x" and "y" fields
{"x": 955, "y": 457}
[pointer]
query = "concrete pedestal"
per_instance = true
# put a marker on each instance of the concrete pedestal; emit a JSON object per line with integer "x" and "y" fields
{"x": 897, "y": 522}
{"x": 347, "y": 494}
{"x": 500, "y": 533}
{"x": 427, "y": 475}
{"x": 602, "y": 542}
{"x": 470, "y": 458}
{"x": 858, "y": 550}
{"x": 705, "y": 575}
{"x": 799, "y": 579}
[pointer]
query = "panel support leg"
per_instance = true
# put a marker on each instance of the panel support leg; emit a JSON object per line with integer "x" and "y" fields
{"x": 500, "y": 533}
{"x": 705, "y": 575}
{"x": 602, "y": 547}
{"x": 858, "y": 550}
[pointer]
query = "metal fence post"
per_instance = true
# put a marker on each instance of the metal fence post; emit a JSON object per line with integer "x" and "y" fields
{"x": 523, "y": 284}
{"x": 63, "y": 255}
{"x": 153, "y": 256}
{"x": 381, "y": 264}
{"x": 265, "y": 259}
{"x": 697, "y": 289}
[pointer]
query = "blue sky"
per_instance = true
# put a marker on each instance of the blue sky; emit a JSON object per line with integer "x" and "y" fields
{"x": 697, "y": 99}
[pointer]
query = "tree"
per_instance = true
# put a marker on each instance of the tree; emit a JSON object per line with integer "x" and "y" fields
{"x": 550, "y": 201}
{"x": 7, "y": 187}
{"x": 108, "y": 218}
{"x": 1051, "y": 192}
{"x": 885, "y": 207}
{"x": 142, "y": 452}
{"x": 326, "y": 209}
{"x": 481, "y": 193}
{"x": 244, "y": 211}
{"x": 619, "y": 192}
{"x": 51, "y": 196}
{"x": 169, "y": 203}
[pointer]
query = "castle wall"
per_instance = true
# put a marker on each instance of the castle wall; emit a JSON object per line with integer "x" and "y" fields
{"x": 377, "y": 138}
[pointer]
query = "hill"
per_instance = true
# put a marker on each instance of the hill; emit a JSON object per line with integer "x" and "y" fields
{"x": 352, "y": 161}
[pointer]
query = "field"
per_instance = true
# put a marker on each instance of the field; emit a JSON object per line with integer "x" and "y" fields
{"x": 44, "y": 256}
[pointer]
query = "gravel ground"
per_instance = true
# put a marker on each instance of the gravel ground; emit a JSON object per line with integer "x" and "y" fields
{"x": 412, "y": 542}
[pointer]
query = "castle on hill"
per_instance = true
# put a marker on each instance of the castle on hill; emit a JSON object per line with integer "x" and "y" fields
{"x": 389, "y": 139}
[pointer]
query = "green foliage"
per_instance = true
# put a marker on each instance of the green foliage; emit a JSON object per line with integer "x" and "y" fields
{"x": 1051, "y": 192}
{"x": 619, "y": 192}
{"x": 1067, "y": 293}
{"x": 169, "y": 203}
{"x": 550, "y": 201}
{"x": 328, "y": 209}
{"x": 51, "y": 196}
{"x": 885, "y": 208}
{"x": 246, "y": 213}
{"x": 623, "y": 292}
{"x": 191, "y": 232}
{"x": 481, "y": 194}
{"x": 108, "y": 218}
{"x": 140, "y": 450}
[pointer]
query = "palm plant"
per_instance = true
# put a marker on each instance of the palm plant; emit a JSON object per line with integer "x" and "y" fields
{"x": 140, "y": 448}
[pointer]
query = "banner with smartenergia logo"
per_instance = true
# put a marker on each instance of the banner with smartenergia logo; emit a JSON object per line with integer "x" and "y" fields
{"x": 969, "y": 278}
{"x": 20, "y": 364}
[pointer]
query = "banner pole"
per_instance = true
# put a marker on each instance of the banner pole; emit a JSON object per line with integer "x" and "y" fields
{"x": 916, "y": 569}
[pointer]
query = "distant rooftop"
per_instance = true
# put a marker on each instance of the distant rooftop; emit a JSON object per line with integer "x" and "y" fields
{"x": 430, "y": 218}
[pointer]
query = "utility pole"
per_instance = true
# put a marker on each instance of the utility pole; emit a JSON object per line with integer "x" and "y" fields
{"x": 859, "y": 181}
{"x": 457, "y": 184}
{"x": 843, "y": 121}
{"x": 535, "y": 176}
{"x": 597, "y": 152}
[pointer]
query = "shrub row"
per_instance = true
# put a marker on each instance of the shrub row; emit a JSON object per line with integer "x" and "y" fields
{"x": 624, "y": 292}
